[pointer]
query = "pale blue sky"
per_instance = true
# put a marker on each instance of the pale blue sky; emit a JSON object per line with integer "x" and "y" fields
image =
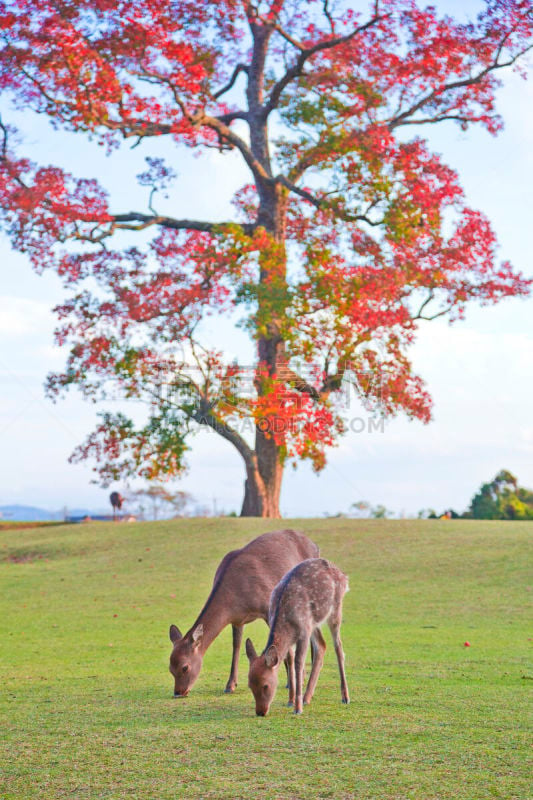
{"x": 479, "y": 372}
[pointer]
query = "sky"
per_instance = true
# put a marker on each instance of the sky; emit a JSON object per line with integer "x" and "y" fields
{"x": 479, "y": 372}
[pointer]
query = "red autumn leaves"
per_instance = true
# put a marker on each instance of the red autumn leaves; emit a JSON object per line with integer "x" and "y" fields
{"x": 349, "y": 230}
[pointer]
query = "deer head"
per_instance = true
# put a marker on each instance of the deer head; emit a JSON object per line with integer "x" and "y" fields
{"x": 263, "y": 676}
{"x": 185, "y": 659}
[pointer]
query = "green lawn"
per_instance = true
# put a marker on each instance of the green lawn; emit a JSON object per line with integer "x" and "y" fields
{"x": 86, "y": 703}
{"x": 19, "y": 525}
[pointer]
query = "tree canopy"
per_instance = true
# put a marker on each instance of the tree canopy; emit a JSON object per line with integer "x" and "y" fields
{"x": 502, "y": 498}
{"x": 349, "y": 232}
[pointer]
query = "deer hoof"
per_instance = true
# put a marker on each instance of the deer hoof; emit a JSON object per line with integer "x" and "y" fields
{"x": 290, "y": 704}
{"x": 345, "y": 700}
{"x": 229, "y": 689}
{"x": 298, "y": 711}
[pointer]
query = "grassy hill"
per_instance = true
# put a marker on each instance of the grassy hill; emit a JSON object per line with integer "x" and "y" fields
{"x": 86, "y": 703}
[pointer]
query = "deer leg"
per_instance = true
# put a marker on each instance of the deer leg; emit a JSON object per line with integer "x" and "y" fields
{"x": 237, "y": 639}
{"x": 289, "y": 664}
{"x": 299, "y": 665}
{"x": 288, "y": 685}
{"x": 334, "y": 626}
{"x": 318, "y": 648}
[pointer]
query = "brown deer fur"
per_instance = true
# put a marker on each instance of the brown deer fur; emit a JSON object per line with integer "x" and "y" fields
{"x": 309, "y": 595}
{"x": 241, "y": 593}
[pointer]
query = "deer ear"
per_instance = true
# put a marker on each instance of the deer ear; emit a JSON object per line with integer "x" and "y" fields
{"x": 175, "y": 634}
{"x": 271, "y": 656}
{"x": 197, "y": 634}
{"x": 250, "y": 650}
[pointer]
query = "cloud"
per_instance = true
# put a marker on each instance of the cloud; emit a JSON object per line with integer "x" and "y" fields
{"x": 27, "y": 338}
{"x": 20, "y": 317}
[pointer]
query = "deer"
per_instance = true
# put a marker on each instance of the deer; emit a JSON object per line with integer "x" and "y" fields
{"x": 310, "y": 594}
{"x": 116, "y": 501}
{"x": 241, "y": 591}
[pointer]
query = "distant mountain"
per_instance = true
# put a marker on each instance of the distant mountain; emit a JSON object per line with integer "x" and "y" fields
{"x": 33, "y": 514}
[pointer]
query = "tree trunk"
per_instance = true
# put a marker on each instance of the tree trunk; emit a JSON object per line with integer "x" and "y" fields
{"x": 256, "y": 505}
{"x": 264, "y": 470}
{"x": 262, "y": 486}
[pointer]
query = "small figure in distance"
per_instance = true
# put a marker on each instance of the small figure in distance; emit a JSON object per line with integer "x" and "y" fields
{"x": 116, "y": 501}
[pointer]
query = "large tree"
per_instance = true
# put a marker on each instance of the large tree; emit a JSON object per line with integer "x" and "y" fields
{"x": 349, "y": 232}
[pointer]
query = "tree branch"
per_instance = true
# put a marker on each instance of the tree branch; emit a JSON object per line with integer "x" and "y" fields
{"x": 121, "y": 221}
{"x": 437, "y": 315}
{"x": 231, "y": 116}
{"x": 205, "y": 415}
{"x": 400, "y": 119}
{"x": 303, "y": 193}
{"x": 429, "y": 298}
{"x": 238, "y": 69}
{"x": 328, "y": 16}
{"x": 135, "y": 221}
{"x": 287, "y": 375}
{"x": 3, "y": 155}
{"x": 226, "y": 134}
{"x": 318, "y": 202}
{"x": 306, "y": 53}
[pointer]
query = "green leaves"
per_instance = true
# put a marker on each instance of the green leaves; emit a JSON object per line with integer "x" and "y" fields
{"x": 502, "y": 498}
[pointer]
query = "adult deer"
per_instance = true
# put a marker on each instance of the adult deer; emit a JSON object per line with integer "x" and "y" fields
{"x": 241, "y": 593}
{"x": 310, "y": 594}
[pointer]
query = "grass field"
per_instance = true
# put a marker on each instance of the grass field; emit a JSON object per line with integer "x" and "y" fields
{"x": 86, "y": 703}
{"x": 6, "y": 525}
